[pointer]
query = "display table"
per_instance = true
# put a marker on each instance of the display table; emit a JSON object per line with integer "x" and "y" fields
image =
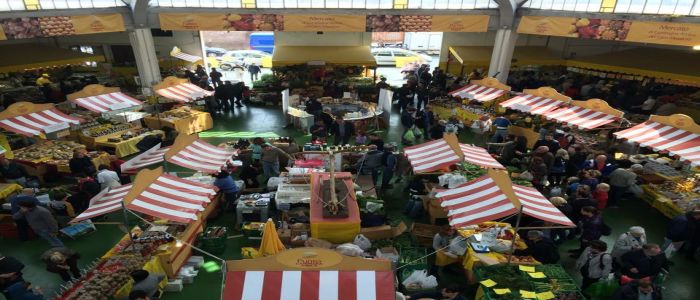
{"x": 126, "y": 147}
{"x": 335, "y": 230}
{"x": 101, "y": 159}
{"x": 445, "y": 112}
{"x": 197, "y": 121}
{"x": 550, "y": 282}
{"x": 39, "y": 168}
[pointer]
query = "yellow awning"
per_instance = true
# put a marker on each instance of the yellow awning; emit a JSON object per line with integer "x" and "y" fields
{"x": 650, "y": 62}
{"x": 20, "y": 57}
{"x": 480, "y": 56}
{"x": 329, "y": 55}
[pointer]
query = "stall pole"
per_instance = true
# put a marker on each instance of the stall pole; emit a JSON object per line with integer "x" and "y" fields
{"x": 126, "y": 222}
{"x": 515, "y": 234}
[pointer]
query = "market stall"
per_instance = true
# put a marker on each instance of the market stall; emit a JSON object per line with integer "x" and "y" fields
{"x": 443, "y": 153}
{"x": 180, "y": 90}
{"x": 464, "y": 59}
{"x": 149, "y": 157}
{"x": 29, "y": 119}
{"x": 537, "y": 101}
{"x": 107, "y": 201}
{"x": 309, "y": 273}
{"x": 589, "y": 114}
{"x": 363, "y": 115}
{"x": 483, "y": 90}
{"x": 53, "y": 156}
{"x": 177, "y": 53}
{"x": 190, "y": 152}
{"x": 22, "y": 57}
{"x": 323, "y": 55}
{"x": 183, "y": 120}
{"x": 100, "y": 99}
{"x": 338, "y": 228}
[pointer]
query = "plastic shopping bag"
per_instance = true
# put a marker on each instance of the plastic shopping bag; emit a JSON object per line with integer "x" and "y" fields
{"x": 603, "y": 289}
{"x": 349, "y": 249}
{"x": 415, "y": 279}
{"x": 362, "y": 242}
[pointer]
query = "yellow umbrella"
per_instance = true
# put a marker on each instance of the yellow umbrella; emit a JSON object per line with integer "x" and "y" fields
{"x": 271, "y": 243}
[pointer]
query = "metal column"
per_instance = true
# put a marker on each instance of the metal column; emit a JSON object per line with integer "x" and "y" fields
{"x": 146, "y": 60}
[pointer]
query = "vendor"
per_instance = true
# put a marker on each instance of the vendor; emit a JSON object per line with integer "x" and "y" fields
{"x": 227, "y": 186}
{"x": 501, "y": 123}
{"x": 441, "y": 243}
{"x": 81, "y": 165}
{"x": 12, "y": 172}
{"x": 540, "y": 248}
{"x": 147, "y": 282}
{"x": 342, "y": 131}
{"x": 313, "y": 106}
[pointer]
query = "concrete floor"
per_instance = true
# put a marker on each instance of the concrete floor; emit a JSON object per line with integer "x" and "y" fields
{"x": 679, "y": 286}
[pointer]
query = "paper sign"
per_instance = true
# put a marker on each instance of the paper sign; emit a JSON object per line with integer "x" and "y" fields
{"x": 545, "y": 296}
{"x": 55, "y": 127}
{"x": 526, "y": 268}
{"x": 119, "y": 105}
{"x": 501, "y": 291}
{"x": 528, "y": 294}
{"x": 488, "y": 283}
{"x": 537, "y": 275}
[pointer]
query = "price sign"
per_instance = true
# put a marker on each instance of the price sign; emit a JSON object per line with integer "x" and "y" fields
{"x": 55, "y": 127}
{"x": 120, "y": 105}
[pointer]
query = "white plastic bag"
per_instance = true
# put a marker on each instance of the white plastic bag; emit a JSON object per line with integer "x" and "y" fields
{"x": 415, "y": 279}
{"x": 429, "y": 282}
{"x": 349, "y": 249}
{"x": 458, "y": 246}
{"x": 362, "y": 242}
{"x": 455, "y": 181}
{"x": 394, "y": 257}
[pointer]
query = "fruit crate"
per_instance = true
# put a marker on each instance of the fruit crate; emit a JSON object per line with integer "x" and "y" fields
{"x": 213, "y": 239}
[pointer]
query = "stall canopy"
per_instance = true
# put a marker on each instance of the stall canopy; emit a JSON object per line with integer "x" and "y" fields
{"x": 677, "y": 134}
{"x": 179, "y": 89}
{"x": 107, "y": 201}
{"x": 190, "y": 152}
{"x": 309, "y": 274}
{"x": 680, "y": 66}
{"x": 480, "y": 56}
{"x": 31, "y": 119}
{"x": 589, "y": 114}
{"x": 328, "y": 55}
{"x": 149, "y": 157}
{"x": 439, "y": 154}
{"x": 177, "y": 53}
{"x": 168, "y": 197}
{"x": 537, "y": 102}
{"x": 494, "y": 196}
{"x": 98, "y": 98}
{"x": 483, "y": 90}
{"x": 20, "y": 57}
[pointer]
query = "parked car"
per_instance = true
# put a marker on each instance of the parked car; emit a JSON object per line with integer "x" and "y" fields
{"x": 244, "y": 58}
{"x": 262, "y": 41}
{"x": 388, "y": 56}
{"x": 214, "y": 51}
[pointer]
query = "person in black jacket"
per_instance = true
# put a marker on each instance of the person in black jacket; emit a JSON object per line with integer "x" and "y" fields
{"x": 10, "y": 273}
{"x": 632, "y": 291}
{"x": 540, "y": 248}
{"x": 681, "y": 229}
{"x": 81, "y": 165}
{"x": 645, "y": 262}
{"x": 342, "y": 131}
{"x": 222, "y": 93}
{"x": 313, "y": 106}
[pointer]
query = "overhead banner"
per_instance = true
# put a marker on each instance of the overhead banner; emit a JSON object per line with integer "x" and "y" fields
{"x": 35, "y": 27}
{"x": 681, "y": 34}
{"x": 330, "y": 23}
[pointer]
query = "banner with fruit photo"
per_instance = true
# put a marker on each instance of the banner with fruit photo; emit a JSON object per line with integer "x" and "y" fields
{"x": 682, "y": 34}
{"x": 227, "y": 22}
{"x": 407, "y": 23}
{"x": 33, "y": 27}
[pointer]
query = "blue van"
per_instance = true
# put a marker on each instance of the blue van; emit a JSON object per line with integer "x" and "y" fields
{"x": 263, "y": 41}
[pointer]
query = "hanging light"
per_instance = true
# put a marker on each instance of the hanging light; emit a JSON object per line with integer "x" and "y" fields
{"x": 696, "y": 47}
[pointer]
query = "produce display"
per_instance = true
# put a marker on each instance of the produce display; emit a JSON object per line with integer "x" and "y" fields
{"x": 384, "y": 23}
{"x": 104, "y": 129}
{"x": 56, "y": 26}
{"x": 178, "y": 113}
{"x": 56, "y": 151}
{"x": 105, "y": 278}
{"x": 510, "y": 277}
{"x": 600, "y": 29}
{"x": 249, "y": 22}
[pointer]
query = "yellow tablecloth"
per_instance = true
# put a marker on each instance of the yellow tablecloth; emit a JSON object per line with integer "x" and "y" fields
{"x": 461, "y": 113}
{"x": 102, "y": 159}
{"x": 6, "y": 189}
{"x": 128, "y": 147}
{"x": 199, "y": 121}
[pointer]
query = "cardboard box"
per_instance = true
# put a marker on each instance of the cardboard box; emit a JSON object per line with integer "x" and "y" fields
{"x": 424, "y": 233}
{"x": 383, "y": 232}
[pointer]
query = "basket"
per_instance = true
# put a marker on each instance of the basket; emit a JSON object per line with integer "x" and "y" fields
{"x": 213, "y": 240}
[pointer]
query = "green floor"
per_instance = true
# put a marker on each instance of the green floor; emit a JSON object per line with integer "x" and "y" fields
{"x": 268, "y": 121}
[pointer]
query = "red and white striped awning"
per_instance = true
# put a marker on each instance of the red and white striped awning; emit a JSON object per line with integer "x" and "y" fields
{"x": 184, "y": 92}
{"x": 202, "y": 156}
{"x": 661, "y": 137}
{"x": 431, "y": 156}
{"x": 107, "y": 201}
{"x": 149, "y": 157}
{"x": 482, "y": 200}
{"x": 107, "y": 102}
{"x": 309, "y": 285}
{"x": 176, "y": 52}
{"x": 173, "y": 198}
{"x": 480, "y": 157}
{"x": 581, "y": 117}
{"x": 532, "y": 104}
{"x": 32, "y": 124}
{"x": 478, "y": 92}
{"x": 537, "y": 206}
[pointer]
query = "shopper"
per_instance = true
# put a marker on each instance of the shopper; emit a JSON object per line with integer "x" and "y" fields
{"x": 61, "y": 208}
{"x": 371, "y": 163}
{"x": 389, "y": 163}
{"x": 541, "y": 248}
{"x": 147, "y": 282}
{"x": 594, "y": 263}
{"x": 23, "y": 291}
{"x": 271, "y": 160}
{"x": 648, "y": 261}
{"x": 27, "y": 195}
{"x": 107, "y": 178}
{"x": 375, "y": 139}
{"x": 538, "y": 169}
{"x": 501, "y": 123}
{"x": 438, "y": 131}
{"x": 81, "y": 165}
{"x": 601, "y": 164}
{"x": 228, "y": 187}
{"x": 215, "y": 77}
{"x": 249, "y": 175}
{"x": 254, "y": 70}
{"x": 681, "y": 229}
{"x": 405, "y": 95}
{"x": 481, "y": 129}
{"x": 318, "y": 131}
{"x": 629, "y": 241}
{"x": 10, "y": 273}
{"x": 592, "y": 228}
{"x": 41, "y": 221}
{"x": 558, "y": 168}
{"x": 642, "y": 289}
{"x": 62, "y": 261}
{"x": 12, "y": 172}
{"x": 256, "y": 149}
{"x": 549, "y": 141}
{"x": 342, "y": 131}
